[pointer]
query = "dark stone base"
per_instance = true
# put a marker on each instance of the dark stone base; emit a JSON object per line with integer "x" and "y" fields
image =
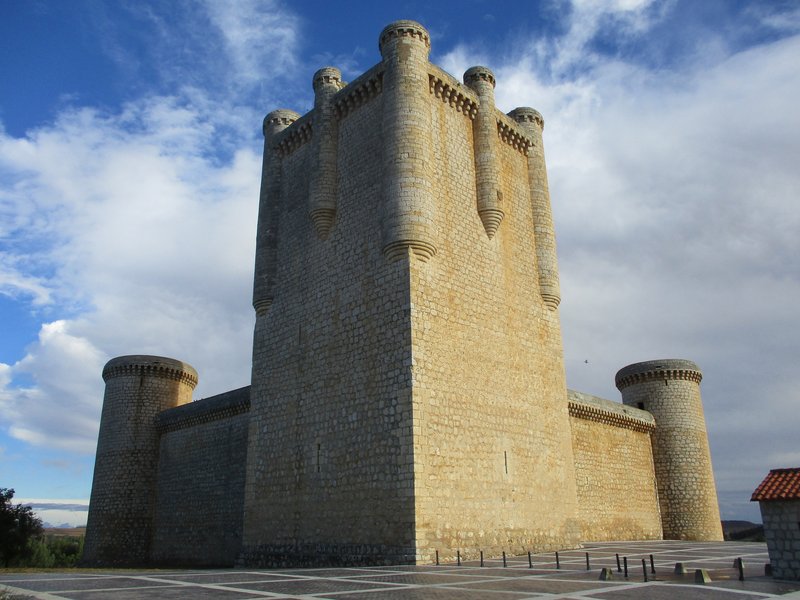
{"x": 324, "y": 555}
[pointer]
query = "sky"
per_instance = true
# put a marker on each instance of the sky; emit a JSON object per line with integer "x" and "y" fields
{"x": 130, "y": 156}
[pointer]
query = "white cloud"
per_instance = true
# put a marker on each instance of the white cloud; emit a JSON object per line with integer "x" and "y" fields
{"x": 147, "y": 236}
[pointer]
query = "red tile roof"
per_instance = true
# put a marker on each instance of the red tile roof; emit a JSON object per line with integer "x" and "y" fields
{"x": 780, "y": 484}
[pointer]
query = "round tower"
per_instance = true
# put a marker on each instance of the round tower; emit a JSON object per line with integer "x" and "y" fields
{"x": 670, "y": 391}
{"x": 407, "y": 187}
{"x": 123, "y": 498}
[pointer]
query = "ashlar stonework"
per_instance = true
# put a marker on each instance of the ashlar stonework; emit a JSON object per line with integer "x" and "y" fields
{"x": 408, "y": 395}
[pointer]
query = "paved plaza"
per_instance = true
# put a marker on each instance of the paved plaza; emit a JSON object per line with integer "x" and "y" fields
{"x": 493, "y": 581}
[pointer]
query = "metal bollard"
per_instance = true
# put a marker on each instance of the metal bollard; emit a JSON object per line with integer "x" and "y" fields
{"x": 625, "y": 563}
{"x": 458, "y": 557}
{"x": 588, "y": 568}
{"x": 504, "y": 560}
{"x": 558, "y": 563}
{"x": 481, "y": 557}
{"x": 530, "y": 562}
{"x": 437, "y": 558}
{"x": 644, "y": 568}
{"x": 652, "y": 565}
{"x": 740, "y": 567}
{"x": 619, "y": 566}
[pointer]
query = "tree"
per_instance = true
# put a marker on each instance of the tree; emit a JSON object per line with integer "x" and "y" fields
{"x": 18, "y": 526}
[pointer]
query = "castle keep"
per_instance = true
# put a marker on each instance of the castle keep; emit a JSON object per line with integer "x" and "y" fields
{"x": 408, "y": 394}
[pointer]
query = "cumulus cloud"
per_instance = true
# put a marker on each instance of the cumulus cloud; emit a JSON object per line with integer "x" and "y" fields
{"x": 134, "y": 226}
{"x": 148, "y": 238}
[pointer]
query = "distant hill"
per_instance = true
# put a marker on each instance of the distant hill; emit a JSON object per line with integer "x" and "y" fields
{"x": 743, "y": 531}
{"x": 64, "y": 531}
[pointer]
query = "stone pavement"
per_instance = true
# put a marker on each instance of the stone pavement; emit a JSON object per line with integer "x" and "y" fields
{"x": 492, "y": 582}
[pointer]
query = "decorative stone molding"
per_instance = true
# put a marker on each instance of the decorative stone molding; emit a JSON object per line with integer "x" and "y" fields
{"x": 452, "y": 96}
{"x": 513, "y": 137}
{"x": 581, "y": 410}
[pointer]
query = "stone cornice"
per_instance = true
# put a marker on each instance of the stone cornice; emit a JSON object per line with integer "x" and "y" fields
{"x": 452, "y": 93}
{"x": 359, "y": 92}
{"x": 658, "y": 370}
{"x": 590, "y": 408}
{"x": 215, "y": 408}
{"x": 140, "y": 365}
{"x": 512, "y": 135}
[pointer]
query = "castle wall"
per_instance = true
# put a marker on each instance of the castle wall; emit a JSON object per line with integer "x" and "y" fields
{"x": 494, "y": 465}
{"x": 614, "y": 473}
{"x": 329, "y": 468}
{"x": 200, "y": 485}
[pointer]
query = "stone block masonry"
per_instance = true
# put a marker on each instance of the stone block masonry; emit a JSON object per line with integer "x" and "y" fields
{"x": 408, "y": 397}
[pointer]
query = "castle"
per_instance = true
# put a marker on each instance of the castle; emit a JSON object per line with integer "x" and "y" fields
{"x": 408, "y": 395}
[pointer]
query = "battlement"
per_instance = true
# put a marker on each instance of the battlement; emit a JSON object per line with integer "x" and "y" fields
{"x": 206, "y": 410}
{"x": 592, "y": 408}
{"x": 668, "y": 369}
{"x": 141, "y": 365}
{"x": 403, "y": 29}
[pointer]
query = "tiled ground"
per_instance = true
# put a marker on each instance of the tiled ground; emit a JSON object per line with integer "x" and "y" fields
{"x": 517, "y": 581}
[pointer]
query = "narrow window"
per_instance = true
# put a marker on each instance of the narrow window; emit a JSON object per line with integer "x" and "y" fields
{"x": 319, "y": 448}
{"x": 505, "y": 460}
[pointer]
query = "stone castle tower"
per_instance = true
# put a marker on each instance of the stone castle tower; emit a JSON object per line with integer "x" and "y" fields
{"x": 670, "y": 391}
{"x": 408, "y": 394}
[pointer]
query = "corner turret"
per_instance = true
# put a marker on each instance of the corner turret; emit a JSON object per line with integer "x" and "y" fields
{"x": 119, "y": 528}
{"x": 408, "y": 218}
{"x": 670, "y": 391}
{"x": 268, "y": 210}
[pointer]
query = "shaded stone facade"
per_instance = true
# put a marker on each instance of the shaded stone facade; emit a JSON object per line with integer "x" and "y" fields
{"x": 408, "y": 394}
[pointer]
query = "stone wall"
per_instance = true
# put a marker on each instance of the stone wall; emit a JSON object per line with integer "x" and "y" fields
{"x": 782, "y": 532}
{"x": 617, "y": 493}
{"x": 200, "y": 487}
{"x": 494, "y": 466}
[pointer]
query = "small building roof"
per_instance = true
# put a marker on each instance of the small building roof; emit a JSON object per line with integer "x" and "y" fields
{"x": 780, "y": 484}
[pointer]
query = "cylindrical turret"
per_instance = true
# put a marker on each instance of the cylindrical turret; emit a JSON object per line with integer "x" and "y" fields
{"x": 484, "y": 132}
{"x": 545, "y": 234}
{"x": 670, "y": 391}
{"x": 322, "y": 189}
{"x": 408, "y": 217}
{"x": 123, "y": 499}
{"x": 268, "y": 210}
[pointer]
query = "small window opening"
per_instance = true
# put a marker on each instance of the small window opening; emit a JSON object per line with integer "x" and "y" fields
{"x": 640, "y": 405}
{"x": 505, "y": 460}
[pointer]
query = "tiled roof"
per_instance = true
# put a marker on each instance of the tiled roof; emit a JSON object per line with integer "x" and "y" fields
{"x": 780, "y": 484}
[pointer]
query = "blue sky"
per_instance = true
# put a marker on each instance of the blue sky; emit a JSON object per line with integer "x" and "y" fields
{"x": 129, "y": 170}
